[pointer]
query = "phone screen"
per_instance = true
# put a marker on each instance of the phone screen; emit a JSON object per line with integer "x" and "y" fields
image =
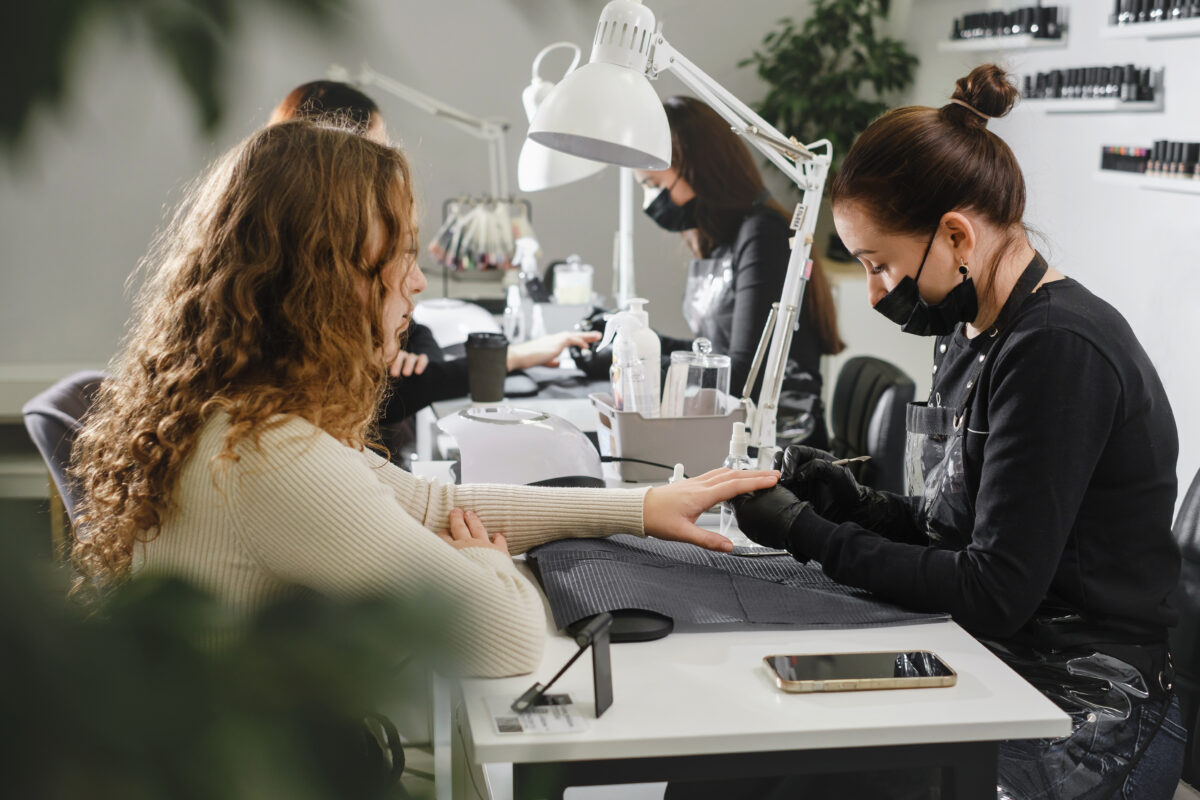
{"x": 859, "y": 666}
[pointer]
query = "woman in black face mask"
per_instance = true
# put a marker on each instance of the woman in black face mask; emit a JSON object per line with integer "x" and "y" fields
{"x": 713, "y": 195}
{"x": 1041, "y": 475}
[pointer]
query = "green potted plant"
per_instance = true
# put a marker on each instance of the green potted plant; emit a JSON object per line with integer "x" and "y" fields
{"x": 829, "y": 76}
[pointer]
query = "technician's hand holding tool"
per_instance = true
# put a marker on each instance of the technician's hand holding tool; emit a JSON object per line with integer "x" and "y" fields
{"x": 816, "y": 476}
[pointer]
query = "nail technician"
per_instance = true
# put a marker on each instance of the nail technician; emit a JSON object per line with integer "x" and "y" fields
{"x": 713, "y": 195}
{"x": 1041, "y": 471}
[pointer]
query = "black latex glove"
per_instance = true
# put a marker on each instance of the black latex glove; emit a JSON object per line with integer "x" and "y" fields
{"x": 792, "y": 463}
{"x": 594, "y": 363}
{"x": 811, "y": 475}
{"x": 831, "y": 488}
{"x": 767, "y": 516}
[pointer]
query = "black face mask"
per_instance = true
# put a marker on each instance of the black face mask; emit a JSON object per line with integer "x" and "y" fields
{"x": 903, "y": 304}
{"x": 669, "y": 216}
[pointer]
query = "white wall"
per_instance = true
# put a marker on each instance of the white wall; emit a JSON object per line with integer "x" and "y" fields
{"x": 1135, "y": 248}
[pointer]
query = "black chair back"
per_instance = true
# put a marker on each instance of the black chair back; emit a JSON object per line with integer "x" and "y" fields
{"x": 1185, "y": 637}
{"x": 53, "y": 419}
{"x": 869, "y": 403}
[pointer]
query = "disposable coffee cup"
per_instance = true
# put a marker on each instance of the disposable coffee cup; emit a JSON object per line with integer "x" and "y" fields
{"x": 487, "y": 364}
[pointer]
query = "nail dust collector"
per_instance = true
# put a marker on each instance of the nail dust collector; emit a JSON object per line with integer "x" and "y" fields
{"x": 502, "y": 444}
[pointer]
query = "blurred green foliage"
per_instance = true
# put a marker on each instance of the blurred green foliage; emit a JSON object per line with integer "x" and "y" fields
{"x": 164, "y": 693}
{"x": 829, "y": 76}
{"x": 190, "y": 36}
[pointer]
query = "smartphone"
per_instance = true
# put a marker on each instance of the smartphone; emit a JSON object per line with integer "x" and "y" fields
{"x": 851, "y": 672}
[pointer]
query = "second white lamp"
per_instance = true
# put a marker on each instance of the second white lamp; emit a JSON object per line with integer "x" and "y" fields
{"x": 539, "y": 167}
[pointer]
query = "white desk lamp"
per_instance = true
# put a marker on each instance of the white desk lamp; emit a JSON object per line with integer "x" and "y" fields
{"x": 541, "y": 167}
{"x": 606, "y": 110}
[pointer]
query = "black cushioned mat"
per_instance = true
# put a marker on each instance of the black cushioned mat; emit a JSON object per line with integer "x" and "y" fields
{"x": 696, "y": 587}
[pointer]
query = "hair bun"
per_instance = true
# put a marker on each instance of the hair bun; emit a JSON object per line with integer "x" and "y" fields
{"x": 987, "y": 90}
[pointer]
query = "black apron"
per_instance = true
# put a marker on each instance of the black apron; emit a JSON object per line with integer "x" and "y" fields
{"x": 1104, "y": 695}
{"x": 708, "y": 310}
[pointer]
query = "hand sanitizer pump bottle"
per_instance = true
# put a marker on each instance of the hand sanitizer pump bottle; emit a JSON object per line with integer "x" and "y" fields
{"x": 631, "y": 389}
{"x": 649, "y": 350}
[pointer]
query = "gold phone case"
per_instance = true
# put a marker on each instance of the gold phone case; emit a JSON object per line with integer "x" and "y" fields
{"x": 860, "y": 684}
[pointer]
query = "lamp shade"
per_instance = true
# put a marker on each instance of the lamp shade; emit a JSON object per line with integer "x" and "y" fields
{"x": 539, "y": 167}
{"x": 607, "y": 113}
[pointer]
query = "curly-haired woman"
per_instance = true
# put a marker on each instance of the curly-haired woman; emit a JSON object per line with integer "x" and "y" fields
{"x": 229, "y": 445}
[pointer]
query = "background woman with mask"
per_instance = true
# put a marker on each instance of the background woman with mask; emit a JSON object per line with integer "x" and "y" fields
{"x": 1042, "y": 474}
{"x": 714, "y": 196}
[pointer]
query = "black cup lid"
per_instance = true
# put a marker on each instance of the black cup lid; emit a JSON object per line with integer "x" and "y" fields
{"x": 486, "y": 339}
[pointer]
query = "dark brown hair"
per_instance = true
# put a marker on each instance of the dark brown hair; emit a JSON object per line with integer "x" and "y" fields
{"x": 915, "y": 164}
{"x": 264, "y": 300}
{"x": 718, "y": 166}
{"x": 325, "y": 99}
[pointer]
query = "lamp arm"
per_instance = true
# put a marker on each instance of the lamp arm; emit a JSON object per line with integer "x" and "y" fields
{"x": 624, "y": 245}
{"x": 743, "y": 119}
{"x": 491, "y": 131}
{"x": 808, "y": 170}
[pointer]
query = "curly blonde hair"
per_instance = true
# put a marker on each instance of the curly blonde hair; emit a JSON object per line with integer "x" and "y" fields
{"x": 264, "y": 298}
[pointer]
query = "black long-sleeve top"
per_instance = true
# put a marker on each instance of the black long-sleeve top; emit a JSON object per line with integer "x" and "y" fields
{"x": 1069, "y": 460}
{"x": 759, "y": 257}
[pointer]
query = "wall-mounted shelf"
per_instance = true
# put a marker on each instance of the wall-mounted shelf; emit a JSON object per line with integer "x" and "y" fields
{"x": 1020, "y": 41}
{"x": 1154, "y": 182}
{"x": 1152, "y": 30}
{"x": 1092, "y": 105}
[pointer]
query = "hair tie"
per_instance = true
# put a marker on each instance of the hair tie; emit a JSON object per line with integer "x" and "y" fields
{"x": 970, "y": 108}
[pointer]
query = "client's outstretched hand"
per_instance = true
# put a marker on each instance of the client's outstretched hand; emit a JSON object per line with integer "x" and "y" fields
{"x": 545, "y": 350}
{"x": 669, "y": 512}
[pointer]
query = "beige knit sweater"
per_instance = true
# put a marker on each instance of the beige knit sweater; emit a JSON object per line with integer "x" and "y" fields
{"x": 303, "y": 509}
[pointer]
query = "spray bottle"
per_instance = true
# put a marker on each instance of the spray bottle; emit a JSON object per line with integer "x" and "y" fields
{"x": 738, "y": 459}
{"x": 649, "y": 349}
{"x": 519, "y": 306}
{"x": 630, "y": 385}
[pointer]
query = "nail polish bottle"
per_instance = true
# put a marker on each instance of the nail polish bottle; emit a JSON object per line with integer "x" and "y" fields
{"x": 1191, "y": 155}
{"x": 1129, "y": 88}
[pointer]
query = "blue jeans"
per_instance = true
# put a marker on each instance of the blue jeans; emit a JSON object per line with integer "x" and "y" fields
{"x": 1092, "y": 762}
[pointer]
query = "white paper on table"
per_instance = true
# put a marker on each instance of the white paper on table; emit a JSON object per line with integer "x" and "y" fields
{"x": 559, "y": 716}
